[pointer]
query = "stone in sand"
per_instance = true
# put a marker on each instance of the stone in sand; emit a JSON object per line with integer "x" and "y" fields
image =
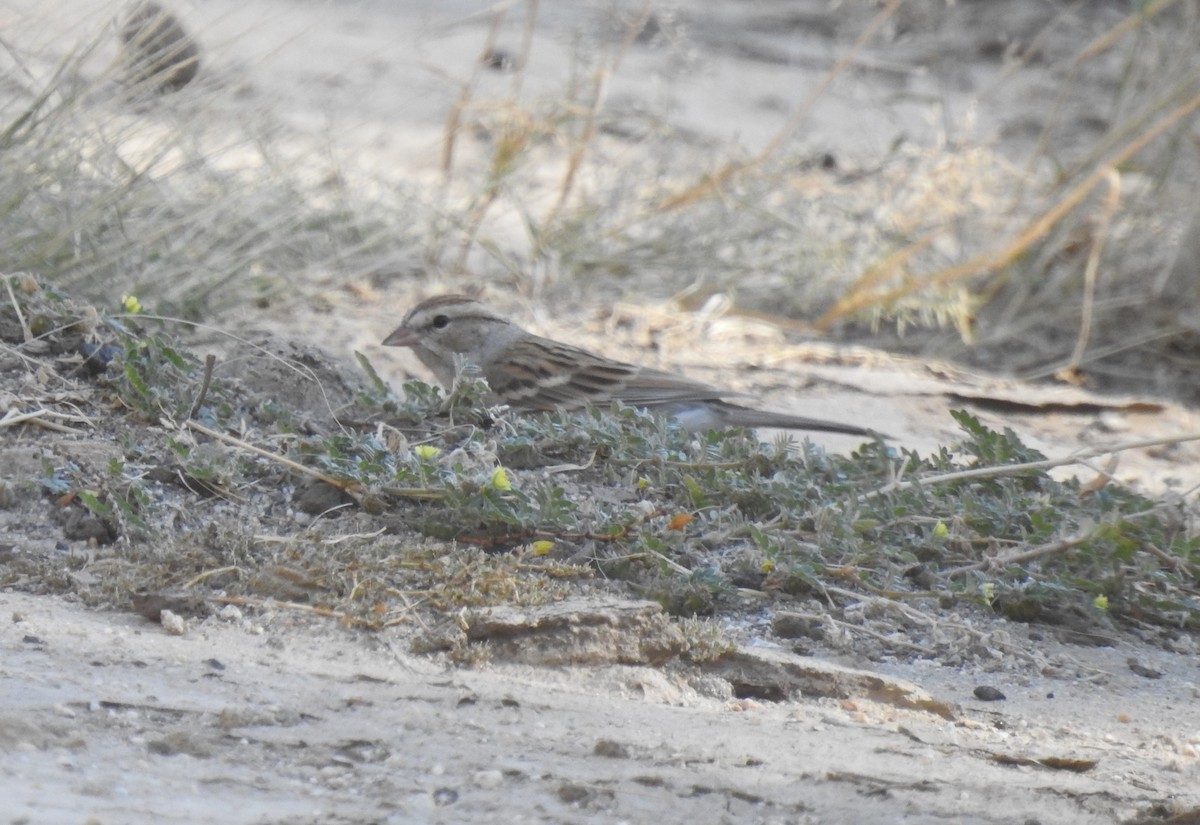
{"x": 158, "y": 51}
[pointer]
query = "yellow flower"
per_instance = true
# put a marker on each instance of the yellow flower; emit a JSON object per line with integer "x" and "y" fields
{"x": 1101, "y": 602}
{"x": 131, "y": 304}
{"x": 541, "y": 548}
{"x": 426, "y": 452}
{"x": 989, "y": 591}
{"x": 500, "y": 480}
{"x": 941, "y": 530}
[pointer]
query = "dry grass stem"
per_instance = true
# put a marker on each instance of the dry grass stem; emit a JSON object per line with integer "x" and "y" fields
{"x": 210, "y": 361}
{"x": 467, "y": 91}
{"x": 1099, "y": 236}
{"x": 346, "y": 486}
{"x": 600, "y": 83}
{"x": 1144, "y": 14}
{"x": 532, "y": 8}
{"x": 885, "y": 270}
{"x": 1033, "y": 231}
{"x": 1079, "y": 457}
{"x": 25, "y": 330}
{"x": 208, "y": 574}
{"x": 712, "y": 183}
{"x": 12, "y": 418}
{"x": 1053, "y": 548}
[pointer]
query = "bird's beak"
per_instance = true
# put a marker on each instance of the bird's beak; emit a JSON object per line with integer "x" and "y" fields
{"x": 402, "y": 336}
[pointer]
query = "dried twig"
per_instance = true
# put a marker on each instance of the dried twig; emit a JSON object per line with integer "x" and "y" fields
{"x": 25, "y": 330}
{"x": 599, "y": 95}
{"x": 38, "y": 417}
{"x": 210, "y": 361}
{"x": 454, "y": 120}
{"x": 1093, "y": 265}
{"x": 1035, "y": 229}
{"x": 713, "y": 182}
{"x": 1078, "y": 457}
{"x": 1051, "y": 549}
{"x": 278, "y": 459}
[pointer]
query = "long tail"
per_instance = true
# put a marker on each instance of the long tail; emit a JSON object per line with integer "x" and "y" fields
{"x": 724, "y": 414}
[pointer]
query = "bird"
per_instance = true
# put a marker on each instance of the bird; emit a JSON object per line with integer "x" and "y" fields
{"x": 531, "y": 373}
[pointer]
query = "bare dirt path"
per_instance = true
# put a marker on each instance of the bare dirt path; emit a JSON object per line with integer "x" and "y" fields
{"x": 266, "y": 719}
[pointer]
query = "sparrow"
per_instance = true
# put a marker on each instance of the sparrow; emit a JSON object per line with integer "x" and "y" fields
{"x": 529, "y": 372}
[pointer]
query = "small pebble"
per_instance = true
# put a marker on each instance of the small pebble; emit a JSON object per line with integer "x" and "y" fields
{"x": 488, "y": 780}
{"x": 445, "y": 796}
{"x": 611, "y": 749}
{"x": 1143, "y": 671}
{"x": 173, "y": 623}
{"x": 987, "y": 693}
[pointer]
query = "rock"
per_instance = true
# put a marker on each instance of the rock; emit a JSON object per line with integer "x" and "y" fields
{"x": 579, "y": 631}
{"x": 776, "y": 676}
{"x": 158, "y": 51}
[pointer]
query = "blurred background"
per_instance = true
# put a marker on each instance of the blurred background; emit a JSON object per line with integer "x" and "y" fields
{"x": 1005, "y": 183}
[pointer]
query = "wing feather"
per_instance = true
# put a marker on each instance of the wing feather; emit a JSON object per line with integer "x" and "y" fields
{"x": 540, "y": 374}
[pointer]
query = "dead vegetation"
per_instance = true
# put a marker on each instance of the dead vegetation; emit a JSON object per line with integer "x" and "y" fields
{"x": 180, "y": 479}
{"x": 379, "y": 508}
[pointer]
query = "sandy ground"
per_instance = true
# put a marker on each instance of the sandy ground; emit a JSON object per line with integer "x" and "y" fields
{"x": 267, "y": 718}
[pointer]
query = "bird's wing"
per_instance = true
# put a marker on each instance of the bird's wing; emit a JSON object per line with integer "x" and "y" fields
{"x": 541, "y": 374}
{"x": 649, "y": 388}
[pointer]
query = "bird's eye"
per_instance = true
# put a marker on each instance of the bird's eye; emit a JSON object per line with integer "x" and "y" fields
{"x": 440, "y": 322}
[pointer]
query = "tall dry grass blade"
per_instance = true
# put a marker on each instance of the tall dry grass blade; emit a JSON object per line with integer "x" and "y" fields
{"x": 717, "y": 180}
{"x": 1138, "y": 18}
{"x": 599, "y": 95}
{"x": 1097, "y": 46}
{"x": 1034, "y": 230}
{"x": 531, "y": 17}
{"x": 875, "y": 276}
{"x": 1080, "y": 456}
{"x": 1103, "y": 226}
{"x": 26, "y": 123}
{"x": 26, "y": 332}
{"x": 467, "y": 91}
